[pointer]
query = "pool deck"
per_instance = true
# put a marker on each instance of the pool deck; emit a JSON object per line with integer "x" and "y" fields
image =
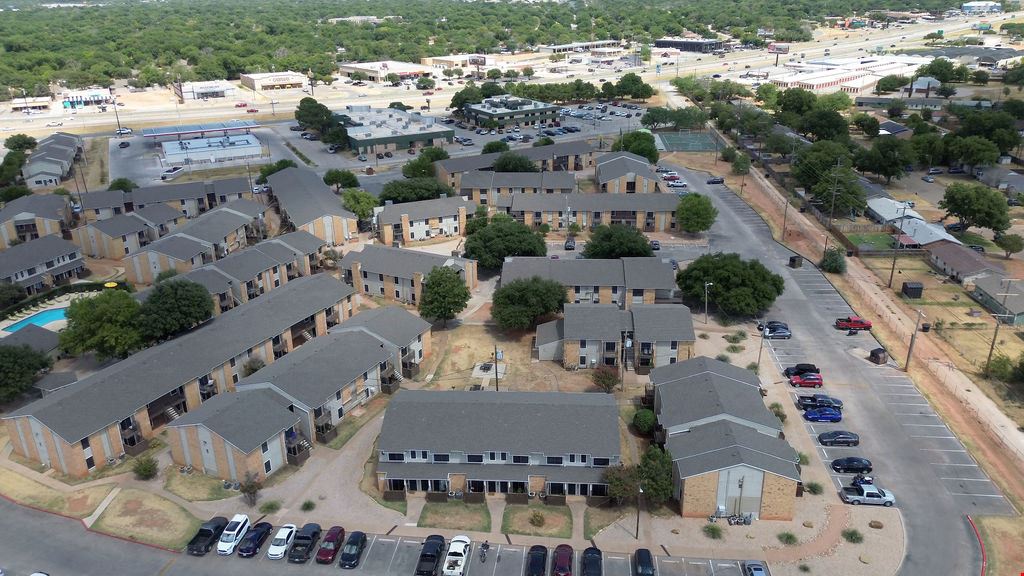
{"x": 62, "y": 301}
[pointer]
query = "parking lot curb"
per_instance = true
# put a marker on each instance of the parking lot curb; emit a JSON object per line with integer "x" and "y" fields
{"x": 984, "y": 556}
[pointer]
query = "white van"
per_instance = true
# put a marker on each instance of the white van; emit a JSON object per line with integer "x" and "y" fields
{"x": 233, "y": 534}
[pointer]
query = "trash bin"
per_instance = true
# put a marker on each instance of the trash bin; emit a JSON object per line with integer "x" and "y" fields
{"x": 849, "y": 253}
{"x": 926, "y": 327}
{"x": 913, "y": 289}
{"x": 879, "y": 356}
{"x": 796, "y": 261}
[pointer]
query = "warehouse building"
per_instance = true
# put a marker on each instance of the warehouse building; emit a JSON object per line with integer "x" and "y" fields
{"x": 378, "y": 71}
{"x": 207, "y": 130}
{"x": 203, "y": 90}
{"x": 507, "y": 110}
{"x": 274, "y": 81}
{"x": 372, "y": 131}
{"x": 701, "y": 45}
{"x": 211, "y": 150}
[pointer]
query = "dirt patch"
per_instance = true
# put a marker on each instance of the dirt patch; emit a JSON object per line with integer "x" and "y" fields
{"x": 1003, "y": 537}
{"x": 148, "y": 518}
{"x": 78, "y": 504}
{"x": 455, "y": 516}
{"x": 597, "y": 519}
{"x": 194, "y": 487}
{"x": 200, "y": 175}
{"x": 96, "y": 166}
{"x": 557, "y": 520}
{"x": 368, "y": 484}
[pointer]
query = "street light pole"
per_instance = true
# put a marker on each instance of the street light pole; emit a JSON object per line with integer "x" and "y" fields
{"x": 117, "y": 118}
{"x": 706, "y": 284}
{"x": 995, "y": 335}
{"x": 638, "y": 497}
{"x": 913, "y": 339}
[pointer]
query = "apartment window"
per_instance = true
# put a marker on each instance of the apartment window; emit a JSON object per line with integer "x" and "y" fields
{"x": 583, "y": 344}
{"x": 126, "y": 250}
{"x": 638, "y": 292}
{"x": 337, "y": 395}
{"x": 419, "y": 354}
{"x": 419, "y": 338}
{"x": 267, "y": 467}
{"x": 601, "y": 462}
{"x": 398, "y": 293}
{"x": 381, "y": 290}
{"x": 576, "y": 289}
{"x": 609, "y": 346}
{"x": 554, "y": 460}
{"x": 265, "y": 448}
{"x": 615, "y": 290}
{"x": 674, "y": 345}
{"x": 583, "y": 458}
{"x": 396, "y": 456}
{"x": 232, "y": 362}
{"x": 583, "y": 361}
{"x": 90, "y": 463}
{"x": 441, "y": 457}
{"x": 572, "y": 458}
{"x": 380, "y": 277}
{"x": 671, "y": 360}
{"x": 234, "y": 378}
{"x": 475, "y": 458}
{"x": 520, "y": 459}
{"x": 85, "y": 443}
{"x": 364, "y": 275}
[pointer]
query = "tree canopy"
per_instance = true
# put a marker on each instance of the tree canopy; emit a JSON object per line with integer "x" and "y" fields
{"x": 172, "y": 307}
{"x": 639, "y": 143}
{"x": 20, "y": 142}
{"x": 514, "y": 162}
{"x": 423, "y": 165}
{"x": 520, "y": 303}
{"x": 341, "y": 179}
{"x": 268, "y": 169}
{"x": 445, "y": 294}
{"x": 122, "y": 184}
{"x": 19, "y": 366}
{"x": 887, "y": 157}
{"x": 413, "y": 189}
{"x": 359, "y": 202}
{"x": 495, "y": 146}
{"x": 616, "y": 241}
{"x": 695, "y": 213}
{"x": 501, "y": 237}
{"x": 106, "y": 325}
{"x": 975, "y": 204}
{"x": 743, "y": 288}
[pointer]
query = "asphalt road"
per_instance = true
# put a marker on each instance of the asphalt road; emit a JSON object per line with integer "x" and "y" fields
{"x": 935, "y": 480}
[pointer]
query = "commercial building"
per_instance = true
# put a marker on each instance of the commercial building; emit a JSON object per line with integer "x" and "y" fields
{"x": 33, "y": 216}
{"x": 466, "y": 62}
{"x": 40, "y": 264}
{"x": 266, "y": 81}
{"x": 203, "y": 90}
{"x": 625, "y": 282}
{"x": 626, "y": 173}
{"x": 409, "y": 222}
{"x": 646, "y": 212}
{"x": 210, "y": 130}
{"x": 373, "y": 131}
{"x": 94, "y": 96}
{"x": 398, "y": 274}
{"x": 198, "y": 151}
{"x": 306, "y": 203}
{"x": 506, "y": 110}
{"x": 87, "y": 425}
{"x": 701, "y": 45}
{"x": 579, "y": 46}
{"x": 52, "y": 160}
{"x": 489, "y": 188}
{"x": 854, "y": 75}
{"x": 378, "y": 71}
{"x": 28, "y": 104}
{"x": 981, "y": 7}
{"x": 530, "y": 443}
{"x": 563, "y": 156}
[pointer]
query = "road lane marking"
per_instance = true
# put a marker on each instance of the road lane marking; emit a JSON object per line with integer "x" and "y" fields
{"x": 980, "y": 495}
{"x": 949, "y": 437}
{"x": 968, "y": 479}
{"x": 942, "y": 450}
{"x": 960, "y": 465}
{"x": 925, "y": 425}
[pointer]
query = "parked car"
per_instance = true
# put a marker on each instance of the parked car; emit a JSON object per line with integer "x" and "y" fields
{"x": 867, "y": 494}
{"x": 660, "y": 170}
{"x": 561, "y": 563}
{"x": 123, "y": 131}
{"x": 537, "y": 561}
{"x": 853, "y": 464}
{"x": 956, "y": 170}
{"x": 123, "y": 145}
{"x": 282, "y": 540}
{"x": 570, "y": 243}
{"x": 716, "y": 180}
{"x": 643, "y": 563}
{"x": 252, "y": 110}
{"x": 207, "y": 535}
{"x": 928, "y": 179}
{"x": 955, "y": 227}
{"x": 353, "y": 550}
{"x": 304, "y": 543}
{"x": 823, "y": 415}
{"x": 853, "y": 323}
{"x": 252, "y": 543}
{"x": 457, "y": 559}
{"x": 677, "y": 184}
{"x": 332, "y": 148}
{"x": 674, "y": 263}
{"x": 977, "y": 248}
{"x": 233, "y": 533}
{"x": 809, "y": 380}
{"x": 670, "y": 177}
{"x": 812, "y": 401}
{"x": 801, "y": 368}
{"x": 591, "y": 562}
{"x": 753, "y": 567}
{"x": 838, "y": 438}
{"x": 430, "y": 556}
{"x": 361, "y": 157}
{"x": 333, "y": 540}
{"x": 932, "y": 171}
{"x": 388, "y": 155}
{"x": 54, "y": 124}
{"x": 777, "y": 333}
{"x": 655, "y": 245}
{"x": 296, "y": 128}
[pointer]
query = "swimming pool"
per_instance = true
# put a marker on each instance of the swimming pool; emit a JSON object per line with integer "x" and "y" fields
{"x": 39, "y": 319}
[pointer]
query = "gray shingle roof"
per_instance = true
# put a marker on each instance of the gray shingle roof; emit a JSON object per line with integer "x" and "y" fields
{"x": 55, "y": 381}
{"x": 245, "y": 207}
{"x": 52, "y": 206}
{"x": 924, "y": 233}
{"x": 618, "y": 164}
{"x": 649, "y": 272}
{"x": 424, "y": 209}
{"x": 515, "y": 422}
{"x": 176, "y": 246}
{"x": 314, "y": 372}
{"x": 604, "y": 322}
{"x": 215, "y": 281}
{"x": 158, "y": 213}
{"x": 662, "y": 323}
{"x": 35, "y": 337}
{"x": 302, "y": 241}
{"x": 279, "y": 252}
{"x": 119, "y": 391}
{"x": 399, "y": 262}
{"x": 244, "y": 419}
{"x": 484, "y": 161}
{"x": 628, "y": 272}
{"x": 120, "y": 225}
{"x": 961, "y": 258}
{"x": 703, "y": 365}
{"x": 994, "y": 286}
{"x": 703, "y": 397}
{"x": 392, "y": 323}
{"x": 147, "y": 195}
{"x": 304, "y": 197}
{"x": 104, "y": 199}
{"x": 550, "y": 332}
{"x": 722, "y": 445}
{"x": 34, "y": 253}
{"x": 559, "y": 180}
{"x": 215, "y": 225}
{"x": 244, "y": 265}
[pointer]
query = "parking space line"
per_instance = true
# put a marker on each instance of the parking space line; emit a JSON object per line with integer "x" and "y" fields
{"x": 981, "y": 495}
{"x": 892, "y": 394}
{"x": 968, "y": 479}
{"x": 943, "y": 449}
{"x": 914, "y": 414}
{"x": 960, "y": 465}
{"x": 925, "y": 425}
{"x": 950, "y": 437}
{"x": 907, "y": 404}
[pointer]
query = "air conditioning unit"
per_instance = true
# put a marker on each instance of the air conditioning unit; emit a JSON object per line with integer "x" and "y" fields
{"x": 532, "y": 494}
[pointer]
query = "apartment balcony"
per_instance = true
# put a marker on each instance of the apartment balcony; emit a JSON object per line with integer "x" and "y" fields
{"x": 297, "y": 448}
{"x": 133, "y": 442}
{"x": 326, "y": 433}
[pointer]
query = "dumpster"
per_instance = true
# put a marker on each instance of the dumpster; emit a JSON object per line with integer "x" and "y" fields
{"x": 796, "y": 261}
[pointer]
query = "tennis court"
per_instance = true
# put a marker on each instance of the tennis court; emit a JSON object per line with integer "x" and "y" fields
{"x": 684, "y": 141}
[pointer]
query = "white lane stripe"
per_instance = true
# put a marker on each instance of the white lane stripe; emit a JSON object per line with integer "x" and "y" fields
{"x": 959, "y": 465}
{"x": 968, "y": 479}
{"x": 942, "y": 450}
{"x": 979, "y": 495}
{"x": 950, "y": 437}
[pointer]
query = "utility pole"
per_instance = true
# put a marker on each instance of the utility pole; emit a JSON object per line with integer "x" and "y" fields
{"x": 899, "y": 243}
{"x": 998, "y": 317}
{"x": 913, "y": 339}
{"x": 706, "y": 284}
{"x": 495, "y": 367}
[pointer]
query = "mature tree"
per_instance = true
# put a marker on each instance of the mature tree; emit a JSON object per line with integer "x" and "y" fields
{"x": 656, "y": 117}
{"x": 336, "y": 135}
{"x": 315, "y": 115}
{"x": 779, "y": 143}
{"x": 824, "y": 125}
{"x": 768, "y": 95}
{"x": 173, "y": 307}
{"x": 9, "y": 193}
{"x": 545, "y": 141}
{"x": 468, "y": 95}
{"x": 639, "y": 143}
{"x": 359, "y": 76}
{"x": 895, "y": 108}
{"x": 478, "y": 220}
{"x": 413, "y": 189}
{"x": 341, "y": 179}
{"x": 946, "y": 91}
{"x": 495, "y": 146}
{"x": 106, "y": 325}
{"x": 424, "y": 83}
{"x": 493, "y": 74}
{"x": 691, "y": 118}
{"x": 941, "y": 69}
{"x": 695, "y": 213}
{"x": 18, "y": 368}
{"x": 839, "y": 192}
{"x": 972, "y": 151}
{"x": 729, "y": 154}
{"x": 491, "y": 89}
{"x": 656, "y": 475}
{"x": 976, "y": 204}
{"x": 268, "y": 169}
{"x": 1013, "y": 107}
{"x": 836, "y": 102}
{"x": 122, "y": 184}
{"x": 891, "y": 83}
{"x": 797, "y": 100}
{"x": 928, "y": 148}
{"x": 400, "y": 106}
{"x": 520, "y": 303}
{"x": 623, "y": 482}
{"x": 1010, "y": 243}
{"x": 503, "y": 237}
{"x": 423, "y": 165}
{"x": 644, "y": 421}
{"x": 20, "y": 142}
{"x": 528, "y": 72}
{"x": 887, "y": 157}
{"x": 980, "y": 77}
{"x": 833, "y": 261}
{"x": 445, "y": 294}
{"x": 513, "y": 162}
{"x": 617, "y": 241}
{"x": 10, "y": 294}
{"x": 814, "y": 161}
{"x": 741, "y": 164}
{"x": 10, "y": 168}
{"x": 359, "y": 202}
{"x": 393, "y": 79}
{"x": 867, "y": 124}
{"x": 743, "y": 288}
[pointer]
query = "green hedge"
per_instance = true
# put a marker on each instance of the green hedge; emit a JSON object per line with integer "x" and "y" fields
{"x": 58, "y": 291}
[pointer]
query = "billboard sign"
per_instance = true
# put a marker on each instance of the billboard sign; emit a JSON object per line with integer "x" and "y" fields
{"x": 778, "y": 48}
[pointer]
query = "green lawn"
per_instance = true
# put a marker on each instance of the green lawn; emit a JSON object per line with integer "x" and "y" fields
{"x": 455, "y": 515}
{"x": 876, "y": 240}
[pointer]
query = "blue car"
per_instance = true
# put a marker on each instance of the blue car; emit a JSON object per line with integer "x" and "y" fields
{"x": 823, "y": 415}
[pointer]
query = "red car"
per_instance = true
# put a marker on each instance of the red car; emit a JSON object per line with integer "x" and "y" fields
{"x": 240, "y": 105}
{"x": 252, "y": 110}
{"x": 561, "y": 563}
{"x": 332, "y": 542}
{"x": 853, "y": 323}
{"x": 670, "y": 178}
{"x": 809, "y": 380}
{"x": 428, "y": 93}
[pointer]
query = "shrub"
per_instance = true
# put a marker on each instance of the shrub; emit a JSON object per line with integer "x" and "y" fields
{"x": 308, "y": 506}
{"x": 606, "y": 378}
{"x": 722, "y": 358}
{"x": 703, "y": 336}
{"x": 787, "y": 538}
{"x": 804, "y": 460}
{"x": 544, "y": 228}
{"x": 145, "y": 468}
{"x": 804, "y": 568}
{"x": 753, "y": 367}
{"x": 833, "y": 261}
{"x": 250, "y": 489}
{"x": 537, "y": 518}
{"x": 713, "y": 531}
{"x": 779, "y": 411}
{"x": 574, "y": 228}
{"x": 734, "y": 348}
{"x": 270, "y": 507}
{"x": 814, "y": 488}
{"x": 853, "y": 536}
{"x": 644, "y": 421}
{"x": 735, "y": 338}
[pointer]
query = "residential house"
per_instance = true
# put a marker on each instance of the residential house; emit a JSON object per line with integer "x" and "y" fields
{"x": 1003, "y": 179}
{"x": 40, "y": 264}
{"x": 1000, "y": 297}
{"x": 306, "y": 203}
{"x": 888, "y": 211}
{"x": 643, "y": 337}
{"x": 921, "y": 85}
{"x": 117, "y": 409}
{"x": 626, "y": 173}
{"x": 35, "y": 337}
{"x": 409, "y": 222}
{"x": 960, "y": 262}
{"x": 646, "y": 212}
{"x": 52, "y": 160}
{"x": 564, "y": 156}
{"x": 624, "y": 282}
{"x": 236, "y": 436}
{"x": 918, "y": 233}
{"x": 114, "y": 237}
{"x": 890, "y": 128}
{"x": 727, "y": 448}
{"x": 487, "y": 188}
{"x": 398, "y": 274}
{"x": 187, "y": 198}
{"x": 531, "y": 443}
{"x": 404, "y": 333}
{"x": 911, "y": 104}
{"x": 30, "y": 217}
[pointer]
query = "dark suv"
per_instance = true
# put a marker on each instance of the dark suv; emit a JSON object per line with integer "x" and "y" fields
{"x": 643, "y": 563}
{"x": 430, "y": 556}
{"x": 570, "y": 243}
{"x": 537, "y": 561}
{"x": 716, "y": 180}
{"x": 801, "y": 369}
{"x": 590, "y": 563}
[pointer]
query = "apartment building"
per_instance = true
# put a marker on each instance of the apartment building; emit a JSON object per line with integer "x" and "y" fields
{"x": 114, "y": 237}
{"x": 84, "y": 426}
{"x": 404, "y": 333}
{"x": 306, "y": 203}
{"x": 625, "y": 282}
{"x": 563, "y": 156}
{"x": 626, "y": 173}
{"x": 52, "y": 160}
{"x": 411, "y": 222}
{"x": 645, "y": 212}
{"x": 189, "y": 198}
{"x": 533, "y": 443}
{"x": 489, "y": 188}
{"x": 398, "y": 274}
{"x": 40, "y": 264}
{"x": 30, "y": 217}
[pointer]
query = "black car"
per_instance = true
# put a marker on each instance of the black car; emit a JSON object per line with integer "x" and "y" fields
{"x": 570, "y": 244}
{"x": 838, "y": 438}
{"x": 772, "y": 324}
{"x": 643, "y": 563}
{"x": 352, "y": 552}
{"x": 955, "y": 227}
{"x": 253, "y": 541}
{"x": 296, "y": 128}
{"x": 430, "y": 556}
{"x": 853, "y": 464}
{"x": 801, "y": 369}
{"x": 716, "y": 180}
{"x": 590, "y": 562}
{"x": 124, "y": 144}
{"x": 304, "y": 544}
{"x": 537, "y": 561}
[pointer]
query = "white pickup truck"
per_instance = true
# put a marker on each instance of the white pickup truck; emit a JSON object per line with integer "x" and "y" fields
{"x": 457, "y": 559}
{"x": 867, "y": 494}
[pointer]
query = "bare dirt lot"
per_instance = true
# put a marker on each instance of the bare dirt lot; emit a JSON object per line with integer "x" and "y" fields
{"x": 145, "y": 517}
